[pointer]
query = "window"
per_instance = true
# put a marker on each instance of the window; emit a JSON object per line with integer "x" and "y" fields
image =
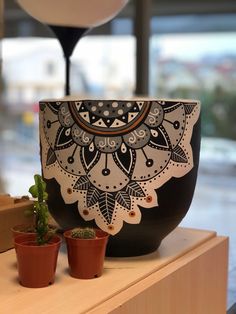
{"x": 190, "y": 57}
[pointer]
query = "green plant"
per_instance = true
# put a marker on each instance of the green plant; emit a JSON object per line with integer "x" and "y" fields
{"x": 41, "y": 213}
{"x": 83, "y": 233}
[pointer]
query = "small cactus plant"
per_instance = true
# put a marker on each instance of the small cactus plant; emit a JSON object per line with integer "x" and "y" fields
{"x": 38, "y": 191}
{"x": 83, "y": 233}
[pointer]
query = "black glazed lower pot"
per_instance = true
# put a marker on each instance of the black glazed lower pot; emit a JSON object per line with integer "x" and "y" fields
{"x": 135, "y": 180}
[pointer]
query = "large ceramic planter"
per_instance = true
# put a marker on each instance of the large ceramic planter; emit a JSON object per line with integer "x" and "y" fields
{"x": 86, "y": 256}
{"x": 129, "y": 167}
{"x": 36, "y": 264}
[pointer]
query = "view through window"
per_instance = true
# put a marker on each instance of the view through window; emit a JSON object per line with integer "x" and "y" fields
{"x": 195, "y": 66}
{"x": 203, "y": 66}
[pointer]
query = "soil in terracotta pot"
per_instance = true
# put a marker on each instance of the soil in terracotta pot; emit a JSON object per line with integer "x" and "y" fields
{"x": 20, "y": 230}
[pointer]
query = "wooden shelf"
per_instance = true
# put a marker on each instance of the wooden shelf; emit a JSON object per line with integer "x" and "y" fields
{"x": 12, "y": 213}
{"x": 188, "y": 274}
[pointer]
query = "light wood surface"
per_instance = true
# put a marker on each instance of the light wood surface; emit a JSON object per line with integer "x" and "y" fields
{"x": 194, "y": 284}
{"x": 180, "y": 272}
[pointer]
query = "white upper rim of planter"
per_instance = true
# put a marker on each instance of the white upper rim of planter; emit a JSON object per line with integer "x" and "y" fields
{"x": 74, "y": 13}
{"x": 102, "y": 98}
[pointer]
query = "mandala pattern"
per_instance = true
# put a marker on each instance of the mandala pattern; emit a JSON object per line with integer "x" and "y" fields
{"x": 112, "y": 156}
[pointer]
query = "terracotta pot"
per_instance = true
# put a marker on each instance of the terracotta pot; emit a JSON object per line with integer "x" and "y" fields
{"x": 36, "y": 264}
{"x": 20, "y": 230}
{"x": 86, "y": 256}
{"x": 127, "y": 167}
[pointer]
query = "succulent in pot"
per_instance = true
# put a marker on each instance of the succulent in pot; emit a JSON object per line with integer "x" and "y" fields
{"x": 37, "y": 253}
{"x": 83, "y": 233}
{"x": 86, "y": 249}
{"x": 39, "y": 212}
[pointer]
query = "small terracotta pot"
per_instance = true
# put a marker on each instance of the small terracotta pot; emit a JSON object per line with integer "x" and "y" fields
{"x": 36, "y": 264}
{"x": 20, "y": 230}
{"x": 86, "y": 256}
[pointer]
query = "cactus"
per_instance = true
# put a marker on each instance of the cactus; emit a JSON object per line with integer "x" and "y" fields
{"x": 83, "y": 233}
{"x": 38, "y": 191}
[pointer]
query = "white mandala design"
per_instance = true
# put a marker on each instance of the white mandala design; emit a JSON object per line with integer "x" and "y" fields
{"x": 112, "y": 156}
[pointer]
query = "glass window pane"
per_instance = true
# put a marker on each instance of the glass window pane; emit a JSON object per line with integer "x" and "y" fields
{"x": 33, "y": 69}
{"x": 203, "y": 66}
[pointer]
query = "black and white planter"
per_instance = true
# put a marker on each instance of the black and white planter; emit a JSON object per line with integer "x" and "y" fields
{"x": 128, "y": 167}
